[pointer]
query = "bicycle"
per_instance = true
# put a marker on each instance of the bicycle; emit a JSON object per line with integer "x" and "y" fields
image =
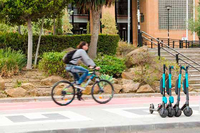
{"x": 63, "y": 92}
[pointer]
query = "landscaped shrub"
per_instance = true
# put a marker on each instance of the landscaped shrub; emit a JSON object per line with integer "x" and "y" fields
{"x": 149, "y": 69}
{"x": 107, "y": 44}
{"x": 52, "y": 63}
{"x": 110, "y": 65}
{"x": 124, "y": 48}
{"x": 11, "y": 61}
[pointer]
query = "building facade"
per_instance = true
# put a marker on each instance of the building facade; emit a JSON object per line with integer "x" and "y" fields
{"x": 153, "y": 18}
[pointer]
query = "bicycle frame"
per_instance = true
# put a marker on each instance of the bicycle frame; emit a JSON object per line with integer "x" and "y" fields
{"x": 92, "y": 74}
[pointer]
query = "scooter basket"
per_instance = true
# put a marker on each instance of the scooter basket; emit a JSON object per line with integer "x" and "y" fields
{"x": 176, "y": 87}
{"x": 167, "y": 86}
{"x": 185, "y": 89}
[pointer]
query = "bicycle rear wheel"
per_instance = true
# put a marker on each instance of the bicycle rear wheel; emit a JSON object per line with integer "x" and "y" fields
{"x": 63, "y": 93}
{"x": 102, "y": 91}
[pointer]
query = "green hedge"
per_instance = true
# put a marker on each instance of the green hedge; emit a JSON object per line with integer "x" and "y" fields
{"x": 51, "y": 63}
{"x": 107, "y": 44}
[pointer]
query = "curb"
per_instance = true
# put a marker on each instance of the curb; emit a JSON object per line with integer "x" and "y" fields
{"x": 125, "y": 129}
{"x": 124, "y": 95}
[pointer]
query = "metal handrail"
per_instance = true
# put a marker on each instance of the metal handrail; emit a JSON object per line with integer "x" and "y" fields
{"x": 170, "y": 49}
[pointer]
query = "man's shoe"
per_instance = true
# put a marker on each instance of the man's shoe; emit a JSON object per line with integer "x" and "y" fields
{"x": 79, "y": 95}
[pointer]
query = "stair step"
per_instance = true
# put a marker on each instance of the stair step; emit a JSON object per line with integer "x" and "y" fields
{"x": 195, "y": 86}
{"x": 195, "y": 75}
{"x": 194, "y": 81}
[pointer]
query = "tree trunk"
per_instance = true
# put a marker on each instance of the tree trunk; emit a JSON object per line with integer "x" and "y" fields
{"x": 54, "y": 26}
{"x": 19, "y": 29}
{"x": 38, "y": 45}
{"x": 30, "y": 45}
{"x": 95, "y": 33}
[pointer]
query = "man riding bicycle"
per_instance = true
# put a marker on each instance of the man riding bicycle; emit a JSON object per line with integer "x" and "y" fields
{"x": 80, "y": 54}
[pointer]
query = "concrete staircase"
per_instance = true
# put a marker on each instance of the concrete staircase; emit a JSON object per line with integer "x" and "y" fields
{"x": 192, "y": 53}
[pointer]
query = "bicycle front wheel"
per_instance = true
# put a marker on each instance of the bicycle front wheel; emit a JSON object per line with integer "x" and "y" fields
{"x": 102, "y": 91}
{"x": 63, "y": 93}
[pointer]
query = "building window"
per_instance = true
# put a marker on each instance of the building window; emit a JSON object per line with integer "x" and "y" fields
{"x": 80, "y": 28}
{"x": 79, "y": 19}
{"x": 122, "y": 7}
{"x": 177, "y": 14}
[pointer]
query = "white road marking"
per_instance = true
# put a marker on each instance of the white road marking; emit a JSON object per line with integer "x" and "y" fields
{"x": 72, "y": 117}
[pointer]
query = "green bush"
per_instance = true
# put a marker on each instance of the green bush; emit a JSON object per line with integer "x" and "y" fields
{"x": 11, "y": 61}
{"x": 107, "y": 44}
{"x": 52, "y": 64}
{"x": 110, "y": 65}
{"x": 124, "y": 48}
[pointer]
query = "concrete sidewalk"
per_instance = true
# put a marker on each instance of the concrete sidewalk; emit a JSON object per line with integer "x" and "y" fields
{"x": 121, "y": 95}
{"x": 121, "y": 115}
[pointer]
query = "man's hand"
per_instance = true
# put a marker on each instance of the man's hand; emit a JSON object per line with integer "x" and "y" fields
{"x": 98, "y": 68}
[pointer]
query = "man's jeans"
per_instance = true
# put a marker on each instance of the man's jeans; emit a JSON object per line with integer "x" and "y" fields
{"x": 76, "y": 70}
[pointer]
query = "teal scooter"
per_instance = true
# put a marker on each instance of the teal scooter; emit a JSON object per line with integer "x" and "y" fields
{"x": 176, "y": 107}
{"x": 186, "y": 109}
{"x": 171, "y": 111}
{"x": 161, "y": 107}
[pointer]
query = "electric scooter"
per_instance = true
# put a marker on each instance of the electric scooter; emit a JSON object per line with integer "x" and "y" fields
{"x": 171, "y": 111}
{"x": 161, "y": 107}
{"x": 186, "y": 109}
{"x": 176, "y": 107}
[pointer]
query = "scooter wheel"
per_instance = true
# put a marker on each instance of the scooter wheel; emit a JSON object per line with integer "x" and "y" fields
{"x": 187, "y": 111}
{"x": 178, "y": 113}
{"x": 171, "y": 112}
{"x": 164, "y": 113}
{"x": 151, "y": 108}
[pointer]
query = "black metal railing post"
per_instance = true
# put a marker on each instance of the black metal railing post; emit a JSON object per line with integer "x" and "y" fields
{"x": 179, "y": 43}
{"x": 151, "y": 43}
{"x": 159, "y": 50}
{"x": 177, "y": 60}
{"x": 192, "y": 44}
{"x": 162, "y": 42}
{"x": 168, "y": 41}
{"x": 186, "y": 42}
{"x": 173, "y": 43}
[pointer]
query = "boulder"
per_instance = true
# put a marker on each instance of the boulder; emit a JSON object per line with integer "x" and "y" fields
{"x": 128, "y": 75}
{"x": 117, "y": 88}
{"x": 87, "y": 90}
{"x": 42, "y": 91}
{"x": 131, "y": 56}
{"x": 139, "y": 50}
{"x": 126, "y": 81}
{"x": 107, "y": 89}
{"x": 130, "y": 87}
{"x": 145, "y": 89}
{"x": 2, "y": 95}
{"x": 16, "y": 92}
{"x": 51, "y": 80}
{"x": 28, "y": 86}
{"x": 61, "y": 87}
{"x": 116, "y": 81}
{"x": 2, "y": 83}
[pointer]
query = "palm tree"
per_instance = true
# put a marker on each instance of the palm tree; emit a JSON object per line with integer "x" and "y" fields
{"x": 96, "y": 7}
